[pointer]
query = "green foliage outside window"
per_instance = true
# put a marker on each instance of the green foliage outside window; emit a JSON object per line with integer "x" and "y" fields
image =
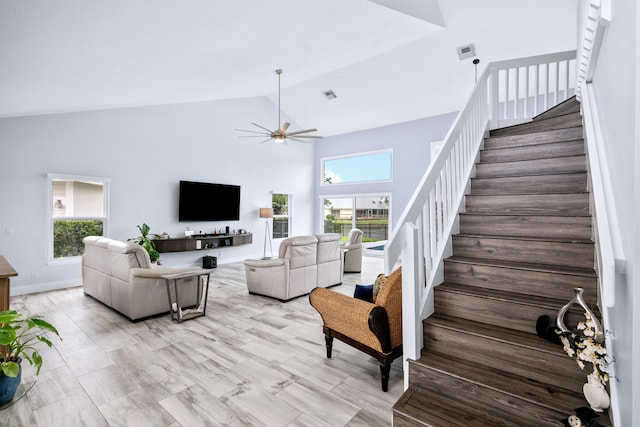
{"x": 68, "y": 235}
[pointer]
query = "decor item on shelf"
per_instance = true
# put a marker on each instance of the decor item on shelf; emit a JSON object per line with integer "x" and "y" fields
{"x": 267, "y": 213}
{"x": 279, "y": 135}
{"x": 18, "y": 336}
{"x": 587, "y": 347}
{"x": 144, "y": 241}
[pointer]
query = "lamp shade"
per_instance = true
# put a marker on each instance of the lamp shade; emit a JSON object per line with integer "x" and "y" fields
{"x": 266, "y": 213}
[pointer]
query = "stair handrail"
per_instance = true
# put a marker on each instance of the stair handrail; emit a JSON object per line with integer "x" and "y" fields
{"x": 421, "y": 238}
{"x": 595, "y": 16}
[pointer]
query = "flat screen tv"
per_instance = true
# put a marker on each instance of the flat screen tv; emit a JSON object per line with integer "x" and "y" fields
{"x": 202, "y": 201}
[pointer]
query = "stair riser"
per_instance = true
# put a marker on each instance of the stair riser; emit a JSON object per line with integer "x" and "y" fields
{"x": 544, "y": 204}
{"x": 504, "y": 313}
{"x": 541, "y": 252}
{"x": 495, "y": 401}
{"x": 556, "y": 165}
{"x": 563, "y": 122}
{"x": 552, "y": 285}
{"x": 548, "y": 137}
{"x": 527, "y": 226}
{"x": 533, "y": 152}
{"x": 556, "y": 369}
{"x": 543, "y": 184}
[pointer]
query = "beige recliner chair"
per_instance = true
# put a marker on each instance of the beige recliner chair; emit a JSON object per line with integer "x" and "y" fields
{"x": 303, "y": 263}
{"x": 353, "y": 252}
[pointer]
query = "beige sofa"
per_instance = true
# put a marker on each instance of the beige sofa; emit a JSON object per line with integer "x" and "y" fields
{"x": 121, "y": 275}
{"x": 303, "y": 263}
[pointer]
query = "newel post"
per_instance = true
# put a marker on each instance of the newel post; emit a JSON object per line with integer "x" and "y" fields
{"x": 411, "y": 322}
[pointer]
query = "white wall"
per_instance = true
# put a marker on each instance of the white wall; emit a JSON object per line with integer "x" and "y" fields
{"x": 145, "y": 152}
{"x": 411, "y": 143}
{"x": 615, "y": 85}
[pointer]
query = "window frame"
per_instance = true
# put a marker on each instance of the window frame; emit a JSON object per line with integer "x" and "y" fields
{"x": 323, "y": 161}
{"x": 289, "y": 216}
{"x": 106, "y": 182}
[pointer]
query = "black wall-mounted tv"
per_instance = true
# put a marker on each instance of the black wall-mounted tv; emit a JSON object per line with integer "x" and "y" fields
{"x": 202, "y": 201}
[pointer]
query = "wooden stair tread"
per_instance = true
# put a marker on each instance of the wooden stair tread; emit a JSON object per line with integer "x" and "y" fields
{"x": 526, "y": 340}
{"x": 520, "y": 387}
{"x": 545, "y": 268}
{"x": 527, "y": 239}
{"x": 423, "y": 407}
{"x": 505, "y": 296}
{"x": 560, "y": 122}
{"x": 533, "y": 138}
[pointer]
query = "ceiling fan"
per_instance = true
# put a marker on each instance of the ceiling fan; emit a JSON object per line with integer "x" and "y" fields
{"x": 280, "y": 135}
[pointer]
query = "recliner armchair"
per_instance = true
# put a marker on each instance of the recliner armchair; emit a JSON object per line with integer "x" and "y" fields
{"x": 374, "y": 328}
{"x": 353, "y": 251}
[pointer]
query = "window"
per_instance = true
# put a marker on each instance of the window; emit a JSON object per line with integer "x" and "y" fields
{"x": 77, "y": 208}
{"x": 360, "y": 168}
{"x": 281, "y": 218}
{"x": 369, "y": 213}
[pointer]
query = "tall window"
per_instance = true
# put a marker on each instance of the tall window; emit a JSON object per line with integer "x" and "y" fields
{"x": 281, "y": 219}
{"x": 374, "y": 166}
{"x": 78, "y": 208}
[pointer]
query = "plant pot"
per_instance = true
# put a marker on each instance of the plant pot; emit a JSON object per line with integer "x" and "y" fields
{"x": 8, "y": 386}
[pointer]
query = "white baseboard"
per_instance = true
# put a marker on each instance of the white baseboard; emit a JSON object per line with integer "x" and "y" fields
{"x": 44, "y": 287}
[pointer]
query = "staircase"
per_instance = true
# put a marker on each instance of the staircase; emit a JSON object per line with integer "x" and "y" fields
{"x": 524, "y": 244}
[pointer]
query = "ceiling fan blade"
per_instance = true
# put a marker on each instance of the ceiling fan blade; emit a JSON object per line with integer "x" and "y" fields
{"x": 262, "y": 127}
{"x": 303, "y": 131}
{"x": 254, "y": 136}
{"x": 268, "y": 139}
{"x": 299, "y": 140}
{"x": 285, "y": 126}
{"x": 253, "y": 131}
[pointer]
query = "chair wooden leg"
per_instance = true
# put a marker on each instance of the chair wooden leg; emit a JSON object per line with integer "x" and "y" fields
{"x": 384, "y": 372}
{"x": 329, "y": 341}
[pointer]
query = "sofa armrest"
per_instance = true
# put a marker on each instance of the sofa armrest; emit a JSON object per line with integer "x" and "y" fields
{"x": 265, "y": 263}
{"x": 159, "y": 271}
{"x": 352, "y": 246}
{"x": 359, "y": 320}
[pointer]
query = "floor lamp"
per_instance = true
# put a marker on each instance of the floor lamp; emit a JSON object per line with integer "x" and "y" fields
{"x": 266, "y": 213}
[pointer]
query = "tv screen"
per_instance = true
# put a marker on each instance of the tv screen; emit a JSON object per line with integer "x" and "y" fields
{"x": 202, "y": 201}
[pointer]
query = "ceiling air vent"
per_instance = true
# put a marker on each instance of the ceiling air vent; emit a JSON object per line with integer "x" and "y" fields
{"x": 329, "y": 94}
{"x": 467, "y": 51}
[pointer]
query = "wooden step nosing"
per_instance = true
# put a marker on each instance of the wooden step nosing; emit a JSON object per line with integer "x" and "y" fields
{"x": 495, "y": 139}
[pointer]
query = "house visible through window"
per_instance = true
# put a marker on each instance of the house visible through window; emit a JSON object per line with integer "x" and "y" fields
{"x": 78, "y": 208}
{"x": 280, "y": 204}
{"x": 369, "y": 213}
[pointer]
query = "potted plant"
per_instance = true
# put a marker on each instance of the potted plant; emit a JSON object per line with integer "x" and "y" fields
{"x": 144, "y": 241}
{"x": 19, "y": 336}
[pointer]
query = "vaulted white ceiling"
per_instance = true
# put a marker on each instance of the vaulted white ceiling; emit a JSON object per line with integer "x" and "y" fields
{"x": 387, "y": 61}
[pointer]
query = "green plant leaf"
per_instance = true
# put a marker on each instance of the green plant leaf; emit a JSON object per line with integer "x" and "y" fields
{"x": 10, "y": 369}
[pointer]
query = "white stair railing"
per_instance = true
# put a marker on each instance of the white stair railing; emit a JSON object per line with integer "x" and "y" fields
{"x": 421, "y": 238}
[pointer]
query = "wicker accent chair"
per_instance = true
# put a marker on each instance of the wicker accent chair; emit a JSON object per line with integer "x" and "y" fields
{"x": 374, "y": 328}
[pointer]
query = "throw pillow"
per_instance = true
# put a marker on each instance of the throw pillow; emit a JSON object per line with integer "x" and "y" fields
{"x": 364, "y": 292}
{"x": 377, "y": 285}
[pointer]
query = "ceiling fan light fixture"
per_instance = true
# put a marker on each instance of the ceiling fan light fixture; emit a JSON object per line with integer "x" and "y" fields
{"x": 280, "y": 135}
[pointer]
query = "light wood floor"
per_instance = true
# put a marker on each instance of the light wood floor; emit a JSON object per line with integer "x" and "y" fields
{"x": 252, "y": 361}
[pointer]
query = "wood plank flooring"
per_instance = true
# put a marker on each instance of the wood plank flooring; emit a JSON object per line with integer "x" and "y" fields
{"x": 252, "y": 361}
